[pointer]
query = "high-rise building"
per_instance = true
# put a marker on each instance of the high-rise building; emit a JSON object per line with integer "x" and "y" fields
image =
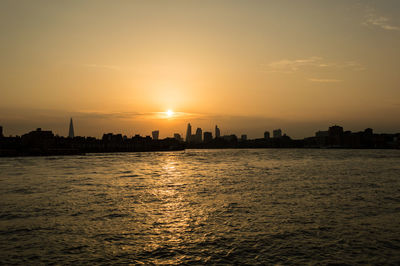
{"x": 199, "y": 135}
{"x": 217, "y": 132}
{"x": 188, "y": 132}
{"x": 155, "y": 134}
{"x": 1, "y": 131}
{"x": 277, "y": 133}
{"x": 71, "y": 133}
{"x": 266, "y": 135}
{"x": 207, "y": 137}
{"x": 243, "y": 137}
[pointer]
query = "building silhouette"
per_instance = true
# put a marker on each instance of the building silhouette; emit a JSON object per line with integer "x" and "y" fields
{"x": 207, "y": 137}
{"x": 199, "y": 135}
{"x": 38, "y": 138}
{"x": 277, "y": 133}
{"x": 321, "y": 134}
{"x": 217, "y": 132}
{"x": 71, "y": 133}
{"x": 155, "y": 134}
{"x": 44, "y": 142}
{"x": 335, "y": 130}
{"x": 369, "y": 131}
{"x": 188, "y": 133}
{"x": 178, "y": 137}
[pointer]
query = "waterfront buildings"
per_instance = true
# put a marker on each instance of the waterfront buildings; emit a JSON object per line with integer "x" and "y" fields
{"x": 155, "y": 134}
{"x": 178, "y": 137}
{"x": 277, "y": 133}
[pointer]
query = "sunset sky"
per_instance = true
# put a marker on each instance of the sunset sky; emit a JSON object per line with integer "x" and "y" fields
{"x": 248, "y": 66}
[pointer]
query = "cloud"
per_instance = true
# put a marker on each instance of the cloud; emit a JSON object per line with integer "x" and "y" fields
{"x": 324, "y": 80}
{"x": 289, "y": 66}
{"x": 106, "y": 115}
{"x": 294, "y": 65}
{"x": 375, "y": 20}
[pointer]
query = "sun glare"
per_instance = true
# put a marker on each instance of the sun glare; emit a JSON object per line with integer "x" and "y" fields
{"x": 170, "y": 113}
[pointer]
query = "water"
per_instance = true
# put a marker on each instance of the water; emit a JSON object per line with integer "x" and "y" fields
{"x": 202, "y": 206}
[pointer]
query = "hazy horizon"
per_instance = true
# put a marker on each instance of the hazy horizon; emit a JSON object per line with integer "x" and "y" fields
{"x": 129, "y": 124}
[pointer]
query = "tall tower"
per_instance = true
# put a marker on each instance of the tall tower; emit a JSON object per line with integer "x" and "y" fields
{"x": 188, "y": 133}
{"x": 71, "y": 133}
{"x": 217, "y": 132}
{"x": 199, "y": 135}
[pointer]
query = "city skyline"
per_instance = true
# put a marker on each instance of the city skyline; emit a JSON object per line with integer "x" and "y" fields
{"x": 200, "y": 136}
{"x": 69, "y": 131}
{"x": 44, "y": 142}
{"x": 269, "y": 64}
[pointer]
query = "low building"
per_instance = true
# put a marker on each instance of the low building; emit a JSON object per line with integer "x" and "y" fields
{"x": 277, "y": 133}
{"x": 178, "y": 137}
{"x": 155, "y": 134}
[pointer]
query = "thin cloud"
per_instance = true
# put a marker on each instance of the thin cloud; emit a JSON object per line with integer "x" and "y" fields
{"x": 325, "y": 80}
{"x": 289, "y": 66}
{"x": 294, "y": 65}
{"x": 375, "y": 20}
{"x": 104, "y": 115}
{"x": 132, "y": 115}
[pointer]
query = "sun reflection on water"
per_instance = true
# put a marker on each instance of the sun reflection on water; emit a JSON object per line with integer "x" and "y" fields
{"x": 172, "y": 220}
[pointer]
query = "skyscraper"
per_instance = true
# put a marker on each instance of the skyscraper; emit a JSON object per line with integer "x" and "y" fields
{"x": 217, "y": 132}
{"x": 207, "y": 137}
{"x": 71, "y": 133}
{"x": 199, "y": 135}
{"x": 188, "y": 132}
{"x": 266, "y": 135}
{"x": 1, "y": 131}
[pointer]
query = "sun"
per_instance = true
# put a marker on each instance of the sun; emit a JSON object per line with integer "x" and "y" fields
{"x": 169, "y": 113}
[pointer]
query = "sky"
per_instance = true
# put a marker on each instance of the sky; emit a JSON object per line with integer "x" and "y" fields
{"x": 248, "y": 66}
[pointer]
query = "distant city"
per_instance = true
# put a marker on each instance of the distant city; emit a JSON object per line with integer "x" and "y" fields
{"x": 44, "y": 142}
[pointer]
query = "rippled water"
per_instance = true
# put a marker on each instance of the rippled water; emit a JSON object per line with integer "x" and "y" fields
{"x": 202, "y": 206}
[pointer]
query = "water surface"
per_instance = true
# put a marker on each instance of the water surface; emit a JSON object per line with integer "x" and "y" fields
{"x": 202, "y": 206}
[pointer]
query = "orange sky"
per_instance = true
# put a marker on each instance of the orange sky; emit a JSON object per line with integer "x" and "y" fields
{"x": 247, "y": 66}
